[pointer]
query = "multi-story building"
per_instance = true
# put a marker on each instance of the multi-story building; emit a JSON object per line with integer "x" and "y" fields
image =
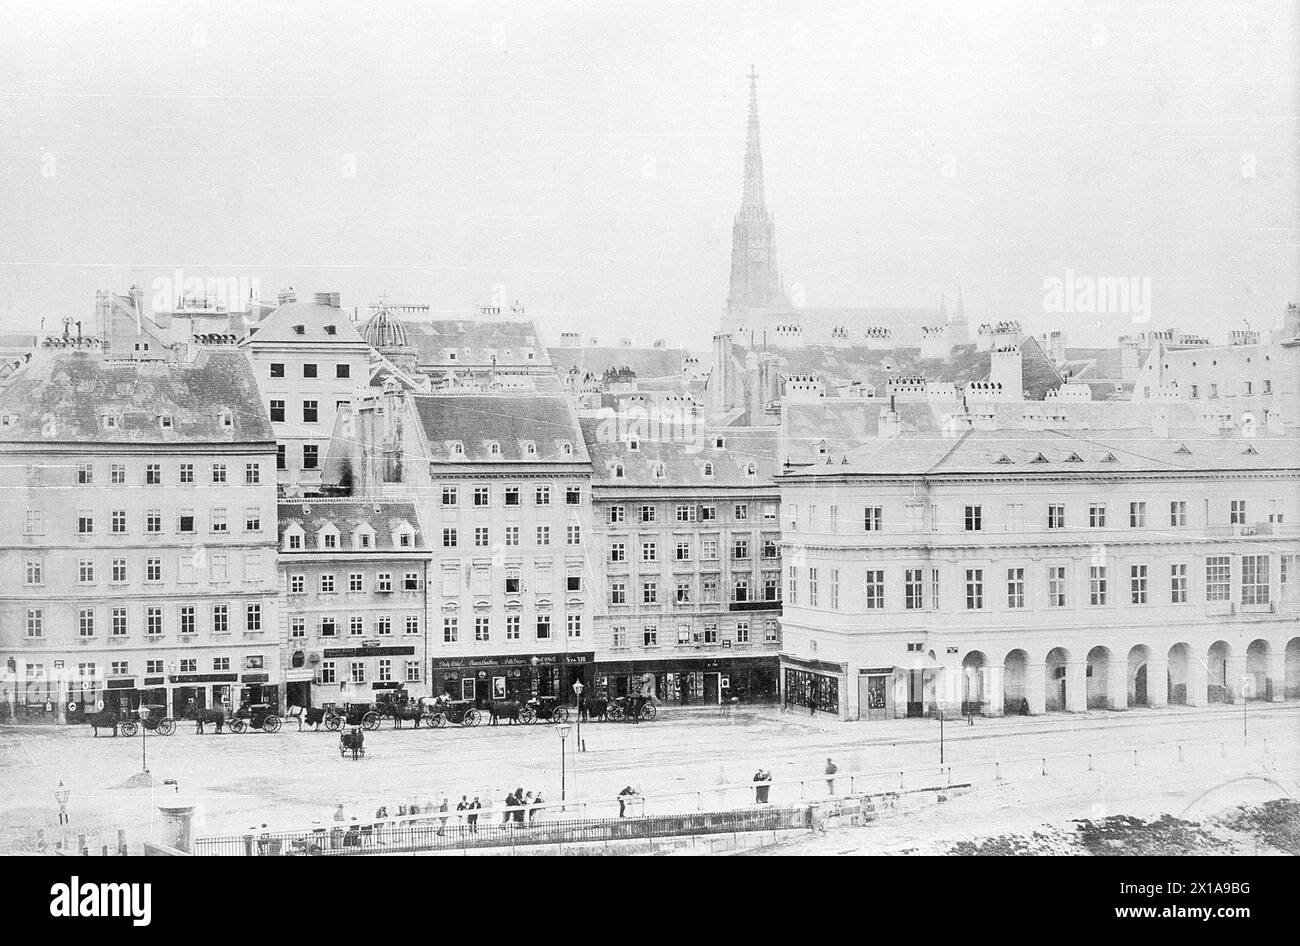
{"x": 138, "y": 536}
{"x": 688, "y": 542}
{"x": 354, "y": 577}
{"x": 1030, "y": 570}
{"x": 503, "y": 486}
{"x": 308, "y": 359}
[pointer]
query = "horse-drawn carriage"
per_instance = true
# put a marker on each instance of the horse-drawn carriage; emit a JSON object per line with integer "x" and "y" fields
{"x": 258, "y": 716}
{"x": 352, "y": 740}
{"x": 623, "y": 708}
{"x": 153, "y": 717}
{"x": 440, "y": 712}
{"x": 364, "y": 715}
{"x": 545, "y": 708}
{"x": 403, "y": 710}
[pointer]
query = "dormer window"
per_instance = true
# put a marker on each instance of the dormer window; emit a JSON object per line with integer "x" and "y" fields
{"x": 494, "y": 448}
{"x": 659, "y": 471}
{"x": 294, "y": 540}
{"x": 457, "y": 449}
{"x": 226, "y": 419}
{"x": 165, "y": 421}
{"x": 363, "y": 540}
{"x": 633, "y": 444}
{"x": 719, "y": 443}
{"x": 750, "y": 469}
{"x": 327, "y": 538}
{"x": 618, "y": 471}
{"x": 300, "y": 329}
{"x": 331, "y": 330}
{"x": 110, "y": 422}
{"x": 566, "y": 448}
{"x": 530, "y": 449}
{"x": 405, "y": 539}
{"x": 708, "y": 469}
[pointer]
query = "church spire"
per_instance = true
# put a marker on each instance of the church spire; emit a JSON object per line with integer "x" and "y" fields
{"x": 753, "y": 194}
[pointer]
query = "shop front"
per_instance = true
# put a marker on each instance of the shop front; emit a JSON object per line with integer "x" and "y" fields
{"x": 812, "y": 684}
{"x": 691, "y": 680}
{"x": 516, "y": 677}
{"x": 191, "y": 691}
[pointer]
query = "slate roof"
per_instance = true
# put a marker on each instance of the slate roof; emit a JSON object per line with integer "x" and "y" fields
{"x": 684, "y": 464}
{"x": 73, "y": 391}
{"x": 278, "y": 326}
{"x": 476, "y": 342}
{"x": 511, "y": 421}
{"x": 383, "y": 516}
{"x": 1054, "y": 451}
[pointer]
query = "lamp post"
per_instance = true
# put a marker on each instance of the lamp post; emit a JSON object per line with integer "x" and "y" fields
{"x": 143, "y": 713}
{"x": 563, "y": 730}
{"x": 61, "y": 796}
{"x": 577, "y": 689}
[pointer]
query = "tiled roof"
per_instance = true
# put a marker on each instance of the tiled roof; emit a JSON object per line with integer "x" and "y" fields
{"x": 476, "y": 341}
{"x": 661, "y": 463}
{"x": 1050, "y": 451}
{"x": 382, "y": 516}
{"x": 72, "y": 393}
{"x": 477, "y": 422}
{"x": 280, "y": 326}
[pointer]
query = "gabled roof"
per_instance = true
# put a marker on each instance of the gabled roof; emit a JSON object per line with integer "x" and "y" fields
{"x": 72, "y": 392}
{"x": 280, "y": 327}
{"x": 382, "y": 517}
{"x": 477, "y": 343}
{"x": 684, "y": 465}
{"x": 476, "y": 421}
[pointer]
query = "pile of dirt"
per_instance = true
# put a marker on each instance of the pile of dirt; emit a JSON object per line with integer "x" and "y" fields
{"x": 1274, "y": 823}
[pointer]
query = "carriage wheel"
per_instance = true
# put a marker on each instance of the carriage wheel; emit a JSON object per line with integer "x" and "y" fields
{"x": 648, "y": 711}
{"x": 528, "y": 715}
{"x": 560, "y": 714}
{"x": 166, "y": 726}
{"x": 333, "y": 723}
{"x": 130, "y": 728}
{"x": 370, "y": 721}
{"x": 271, "y": 724}
{"x": 615, "y": 712}
{"x": 238, "y": 725}
{"x": 438, "y": 721}
{"x": 472, "y": 718}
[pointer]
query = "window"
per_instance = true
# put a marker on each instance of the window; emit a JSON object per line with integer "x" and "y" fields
{"x": 741, "y": 512}
{"x": 574, "y": 623}
{"x": 708, "y": 513}
{"x": 573, "y": 535}
{"x": 277, "y": 411}
{"x": 1254, "y": 579}
{"x": 835, "y": 589}
{"x": 481, "y": 495}
{"x": 974, "y": 520}
{"x": 342, "y": 371}
{"x": 34, "y": 524}
{"x": 974, "y": 588}
{"x": 1218, "y": 578}
{"x": 650, "y": 636}
{"x": 185, "y": 522}
{"x": 358, "y": 670}
{"x": 875, "y": 589}
{"x": 543, "y": 627}
{"x": 614, "y": 515}
{"x": 1138, "y": 583}
{"x": 153, "y": 474}
{"x": 310, "y": 412}
{"x": 618, "y": 552}
{"x": 297, "y": 627}
{"x": 117, "y": 473}
{"x": 871, "y": 518}
{"x": 1097, "y": 585}
{"x": 1177, "y": 513}
{"x": 252, "y": 519}
{"x": 740, "y": 547}
{"x": 812, "y": 587}
{"x": 1015, "y": 588}
{"x": 450, "y": 630}
{"x": 1177, "y": 584}
{"x": 86, "y": 622}
{"x": 35, "y": 572}
{"x": 618, "y": 636}
{"x": 617, "y": 592}
{"x": 709, "y": 548}
{"x": 792, "y": 595}
{"x": 222, "y": 664}
{"x": 327, "y": 583}
{"x": 384, "y": 581}
{"x": 1097, "y": 516}
{"x": 280, "y": 456}
{"x": 512, "y": 495}
{"x": 934, "y": 588}
{"x": 543, "y": 535}
{"x": 310, "y": 456}
{"x": 647, "y": 513}
{"x": 512, "y": 627}
{"x": 85, "y": 474}
{"x": 1137, "y": 515}
{"x": 682, "y": 550}
{"x": 297, "y": 584}
{"x": 913, "y": 589}
{"x": 153, "y": 521}
{"x": 277, "y": 369}
{"x": 219, "y": 520}
{"x": 573, "y": 495}
{"x": 710, "y": 590}
{"x": 1237, "y": 513}
{"x": 119, "y": 668}
{"x": 482, "y": 629}
{"x": 573, "y": 581}
{"x": 1056, "y": 516}
{"x": 683, "y": 593}
{"x": 1056, "y": 586}
{"x": 770, "y": 546}
{"x": 481, "y": 537}
{"x": 308, "y": 371}
{"x": 153, "y": 569}
{"x": 327, "y": 672}
{"x": 448, "y": 538}
{"x": 220, "y": 618}
{"x": 449, "y": 495}
{"x": 685, "y": 512}
{"x": 186, "y": 614}
{"x": 412, "y": 671}
{"x": 542, "y": 496}
{"x": 85, "y": 525}
{"x": 218, "y": 473}
{"x": 118, "y": 627}
{"x": 86, "y": 571}
{"x": 253, "y": 618}
{"x": 650, "y": 591}
{"x": 153, "y": 622}
{"x": 412, "y": 624}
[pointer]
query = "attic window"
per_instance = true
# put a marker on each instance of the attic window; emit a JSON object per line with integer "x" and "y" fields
{"x": 567, "y": 449}
{"x": 451, "y": 355}
{"x": 1004, "y": 459}
{"x": 1182, "y": 449}
{"x": 1250, "y": 451}
{"x": 226, "y": 419}
{"x": 1109, "y": 458}
{"x": 331, "y": 330}
{"x": 300, "y": 330}
{"x": 708, "y": 469}
{"x": 363, "y": 540}
{"x": 1074, "y": 458}
{"x": 530, "y": 449}
{"x": 458, "y": 449}
{"x": 633, "y": 444}
{"x": 165, "y": 421}
{"x": 110, "y": 422}
{"x": 750, "y": 469}
{"x": 1038, "y": 458}
{"x": 7, "y": 419}
{"x": 719, "y": 443}
{"x": 494, "y": 448}
{"x": 618, "y": 471}
{"x": 660, "y": 471}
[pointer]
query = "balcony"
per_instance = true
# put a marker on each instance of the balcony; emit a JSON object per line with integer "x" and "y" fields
{"x": 754, "y": 605}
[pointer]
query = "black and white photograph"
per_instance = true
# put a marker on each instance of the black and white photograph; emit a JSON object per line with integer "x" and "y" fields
{"x": 708, "y": 429}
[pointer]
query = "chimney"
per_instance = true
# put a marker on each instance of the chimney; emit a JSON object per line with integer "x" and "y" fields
{"x": 285, "y": 296}
{"x": 331, "y": 299}
{"x": 889, "y": 424}
{"x": 1291, "y": 321}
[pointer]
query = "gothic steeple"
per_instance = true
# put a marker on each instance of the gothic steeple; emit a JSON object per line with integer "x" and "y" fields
{"x": 754, "y": 280}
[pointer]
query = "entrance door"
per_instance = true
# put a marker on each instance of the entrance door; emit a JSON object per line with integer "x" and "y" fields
{"x": 916, "y": 693}
{"x": 181, "y": 697}
{"x": 712, "y": 691}
{"x": 482, "y": 692}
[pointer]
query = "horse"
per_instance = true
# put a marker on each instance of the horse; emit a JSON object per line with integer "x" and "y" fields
{"x": 104, "y": 719}
{"x": 313, "y": 716}
{"x": 401, "y": 712}
{"x": 507, "y": 708}
{"x": 594, "y": 708}
{"x": 200, "y": 715}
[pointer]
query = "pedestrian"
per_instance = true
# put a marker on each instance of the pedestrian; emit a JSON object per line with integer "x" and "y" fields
{"x": 623, "y": 797}
{"x": 474, "y": 807}
{"x": 382, "y": 812}
{"x": 537, "y": 803}
{"x": 338, "y": 813}
{"x": 444, "y": 807}
{"x": 510, "y": 803}
{"x": 763, "y": 785}
{"x": 528, "y": 808}
{"x": 812, "y": 704}
{"x": 831, "y": 769}
{"x": 519, "y": 803}
{"x": 414, "y": 808}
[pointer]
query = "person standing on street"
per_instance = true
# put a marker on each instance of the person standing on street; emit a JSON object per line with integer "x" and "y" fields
{"x": 831, "y": 769}
{"x": 474, "y": 807}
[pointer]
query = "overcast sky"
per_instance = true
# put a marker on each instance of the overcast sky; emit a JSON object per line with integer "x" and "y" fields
{"x": 585, "y": 158}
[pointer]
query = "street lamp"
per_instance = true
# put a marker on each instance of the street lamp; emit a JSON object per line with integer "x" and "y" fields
{"x": 143, "y": 713}
{"x": 577, "y": 689}
{"x": 61, "y": 796}
{"x": 563, "y": 730}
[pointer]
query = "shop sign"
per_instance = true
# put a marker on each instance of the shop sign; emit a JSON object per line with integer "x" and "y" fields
{"x": 515, "y": 660}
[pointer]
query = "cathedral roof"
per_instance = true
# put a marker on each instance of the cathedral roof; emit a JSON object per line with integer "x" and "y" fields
{"x": 384, "y": 330}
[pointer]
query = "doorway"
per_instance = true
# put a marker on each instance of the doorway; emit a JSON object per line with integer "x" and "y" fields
{"x": 713, "y": 688}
